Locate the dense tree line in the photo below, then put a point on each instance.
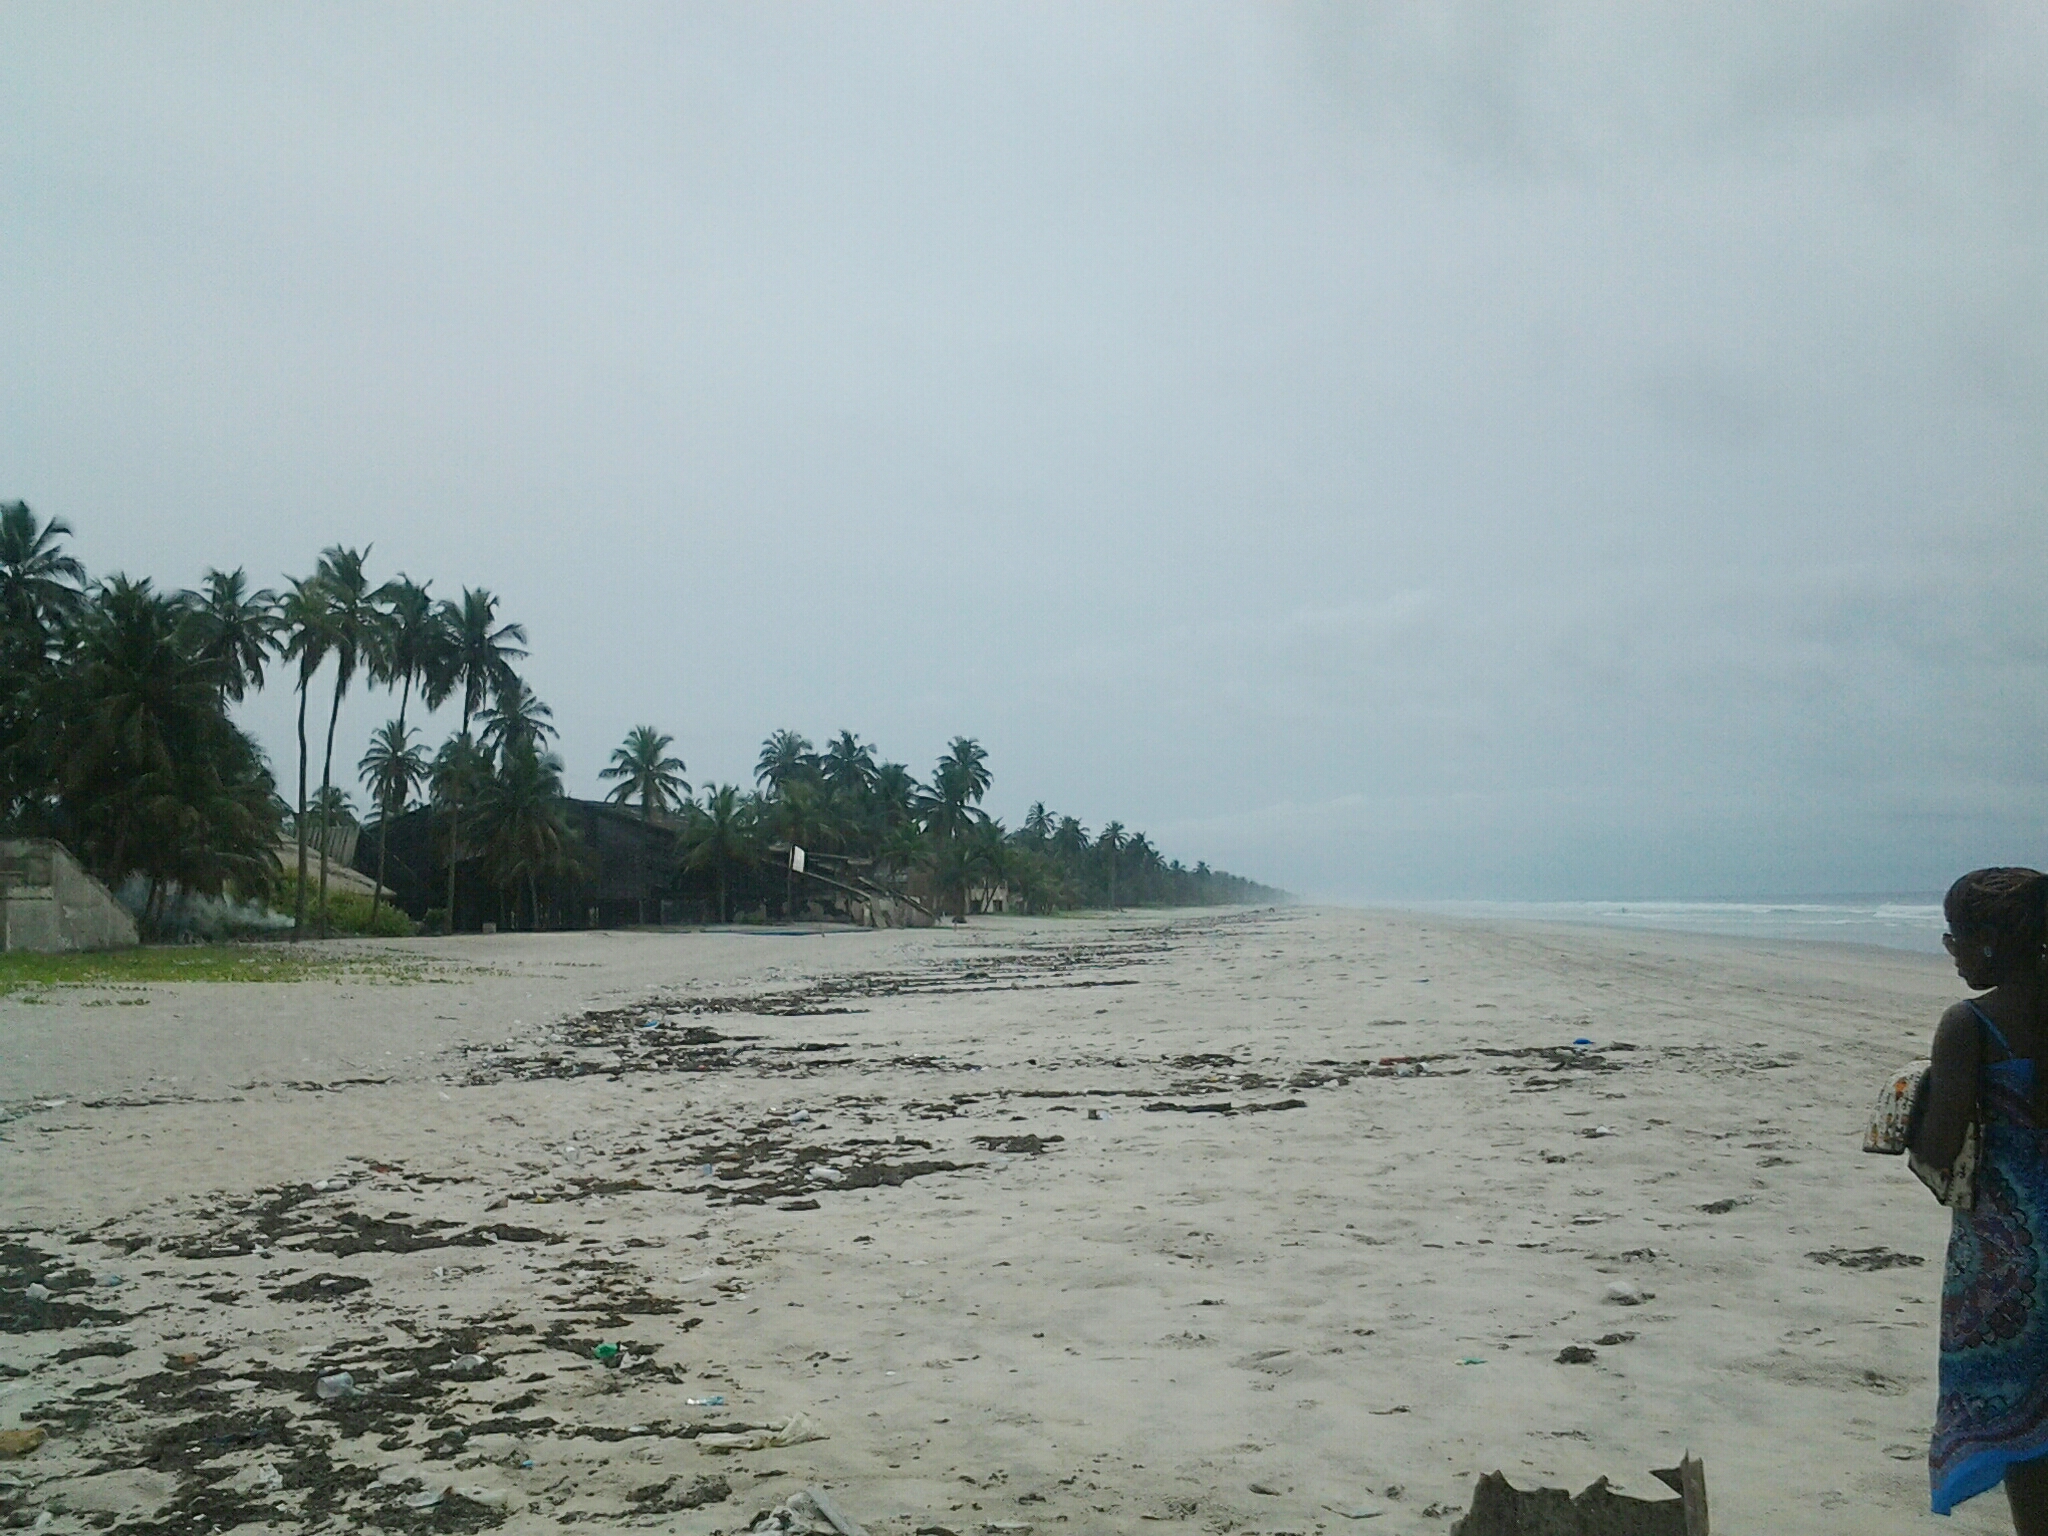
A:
(117, 738)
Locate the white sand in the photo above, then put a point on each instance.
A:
(1134, 1326)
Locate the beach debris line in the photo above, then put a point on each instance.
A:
(1501, 1509)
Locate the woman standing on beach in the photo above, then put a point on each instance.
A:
(1991, 1419)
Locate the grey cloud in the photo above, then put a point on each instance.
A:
(1456, 450)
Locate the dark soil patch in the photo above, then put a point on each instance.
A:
(1867, 1258)
(321, 1288)
(69, 1304)
(1024, 1146)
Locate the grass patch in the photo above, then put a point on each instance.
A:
(21, 972)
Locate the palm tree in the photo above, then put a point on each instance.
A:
(40, 597)
(520, 823)
(392, 771)
(965, 757)
(848, 766)
(480, 656)
(950, 806)
(233, 630)
(333, 806)
(157, 780)
(516, 721)
(720, 835)
(643, 770)
(41, 587)
(785, 758)
(641, 766)
(1111, 839)
(303, 621)
(416, 646)
(1039, 823)
(893, 796)
(354, 631)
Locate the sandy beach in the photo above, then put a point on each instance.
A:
(1273, 1220)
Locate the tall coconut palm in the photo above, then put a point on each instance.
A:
(392, 771)
(893, 797)
(720, 835)
(1107, 843)
(785, 758)
(233, 630)
(847, 766)
(41, 587)
(521, 826)
(354, 623)
(416, 646)
(303, 622)
(480, 656)
(951, 805)
(1039, 823)
(642, 766)
(516, 721)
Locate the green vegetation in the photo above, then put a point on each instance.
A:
(353, 914)
(116, 738)
(22, 973)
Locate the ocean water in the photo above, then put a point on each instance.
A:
(1910, 921)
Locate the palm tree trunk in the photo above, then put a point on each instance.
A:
(454, 841)
(640, 853)
(327, 784)
(299, 822)
(724, 901)
(532, 902)
(384, 813)
(383, 837)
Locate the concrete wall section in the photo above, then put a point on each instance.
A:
(50, 905)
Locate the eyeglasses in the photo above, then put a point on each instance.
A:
(1952, 944)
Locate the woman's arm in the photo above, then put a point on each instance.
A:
(1952, 1098)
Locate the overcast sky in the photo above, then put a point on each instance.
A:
(1424, 450)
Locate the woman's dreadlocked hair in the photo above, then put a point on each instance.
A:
(2007, 905)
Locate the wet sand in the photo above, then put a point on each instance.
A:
(1261, 1221)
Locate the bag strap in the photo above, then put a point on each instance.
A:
(1985, 1019)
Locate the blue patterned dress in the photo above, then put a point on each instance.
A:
(1993, 1408)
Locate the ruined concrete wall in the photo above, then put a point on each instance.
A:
(50, 905)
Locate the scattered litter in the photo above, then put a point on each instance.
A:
(265, 1477)
(110, 1281)
(1601, 1130)
(811, 1510)
(1472, 1360)
(1611, 1339)
(1576, 1354)
(715, 1400)
(426, 1500)
(328, 1186)
(605, 1352)
(335, 1388)
(1354, 1514)
(652, 1024)
(19, 1442)
(797, 1429)
(1582, 1040)
(37, 1291)
(1498, 1509)
(1626, 1293)
(1266, 1488)
(469, 1367)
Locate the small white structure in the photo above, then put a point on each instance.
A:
(50, 905)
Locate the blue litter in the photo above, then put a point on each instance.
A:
(1582, 1040)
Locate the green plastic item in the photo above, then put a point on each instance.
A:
(605, 1352)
